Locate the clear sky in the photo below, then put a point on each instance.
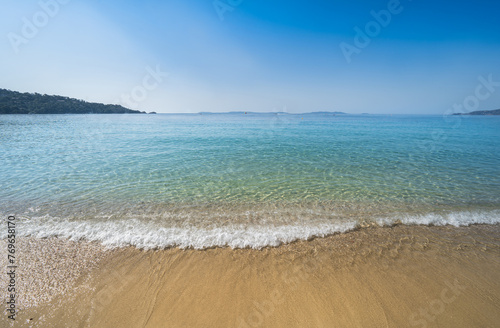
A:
(419, 56)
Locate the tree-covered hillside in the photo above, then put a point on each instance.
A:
(12, 102)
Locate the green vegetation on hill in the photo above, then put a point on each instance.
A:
(12, 102)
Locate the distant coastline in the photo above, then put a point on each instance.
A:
(482, 112)
(13, 102)
(272, 113)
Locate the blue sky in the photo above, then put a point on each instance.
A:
(254, 55)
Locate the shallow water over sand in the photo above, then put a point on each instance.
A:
(243, 180)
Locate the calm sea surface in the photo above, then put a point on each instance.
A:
(243, 180)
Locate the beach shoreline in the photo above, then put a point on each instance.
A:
(400, 276)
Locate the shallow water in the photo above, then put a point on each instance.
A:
(243, 180)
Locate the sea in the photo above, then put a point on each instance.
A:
(243, 180)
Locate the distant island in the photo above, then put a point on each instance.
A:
(270, 113)
(482, 112)
(12, 102)
(324, 113)
(240, 113)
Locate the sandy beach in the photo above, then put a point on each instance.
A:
(403, 276)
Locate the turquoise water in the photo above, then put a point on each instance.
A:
(243, 180)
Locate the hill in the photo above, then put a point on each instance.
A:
(12, 102)
(482, 112)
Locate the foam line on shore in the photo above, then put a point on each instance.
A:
(153, 234)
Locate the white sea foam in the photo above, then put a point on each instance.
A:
(147, 235)
(457, 219)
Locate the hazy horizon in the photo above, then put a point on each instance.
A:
(383, 57)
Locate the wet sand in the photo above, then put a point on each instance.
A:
(402, 276)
